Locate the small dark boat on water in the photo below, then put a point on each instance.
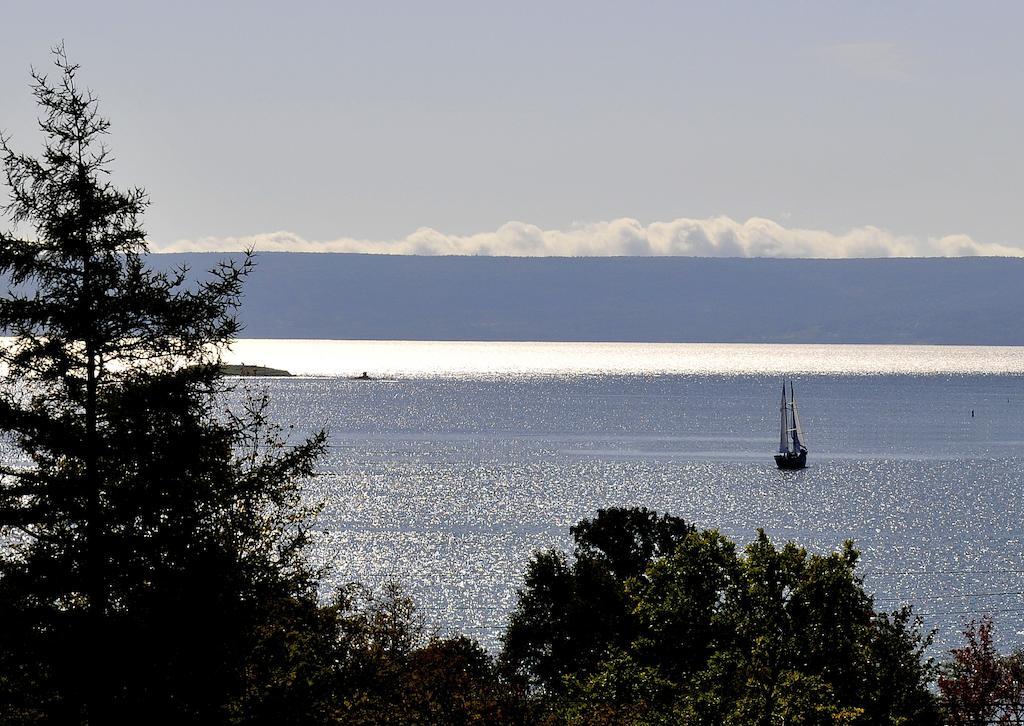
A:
(792, 452)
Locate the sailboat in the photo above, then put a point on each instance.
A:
(792, 452)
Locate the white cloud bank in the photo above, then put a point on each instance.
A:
(713, 237)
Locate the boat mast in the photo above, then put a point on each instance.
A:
(783, 443)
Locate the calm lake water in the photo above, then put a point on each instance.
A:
(460, 459)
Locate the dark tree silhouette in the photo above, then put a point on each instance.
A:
(627, 539)
(570, 614)
(148, 539)
(655, 622)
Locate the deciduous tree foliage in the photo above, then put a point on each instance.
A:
(389, 671)
(570, 614)
(696, 631)
(151, 542)
(980, 685)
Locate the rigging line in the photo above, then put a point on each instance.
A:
(979, 611)
(949, 572)
(907, 599)
(910, 601)
(493, 626)
(946, 595)
(498, 608)
(439, 608)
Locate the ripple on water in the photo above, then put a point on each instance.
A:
(448, 485)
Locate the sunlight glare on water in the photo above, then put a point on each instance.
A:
(455, 461)
(417, 359)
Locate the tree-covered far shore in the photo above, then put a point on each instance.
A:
(153, 539)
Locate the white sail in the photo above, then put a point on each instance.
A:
(798, 433)
(792, 447)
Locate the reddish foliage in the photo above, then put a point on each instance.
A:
(981, 686)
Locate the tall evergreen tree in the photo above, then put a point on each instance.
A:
(150, 541)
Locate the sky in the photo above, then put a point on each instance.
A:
(796, 129)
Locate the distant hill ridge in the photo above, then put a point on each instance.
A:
(969, 301)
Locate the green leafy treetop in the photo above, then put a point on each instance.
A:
(148, 539)
(696, 631)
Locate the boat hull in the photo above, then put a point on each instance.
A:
(791, 460)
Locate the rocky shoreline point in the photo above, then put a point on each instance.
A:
(244, 369)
